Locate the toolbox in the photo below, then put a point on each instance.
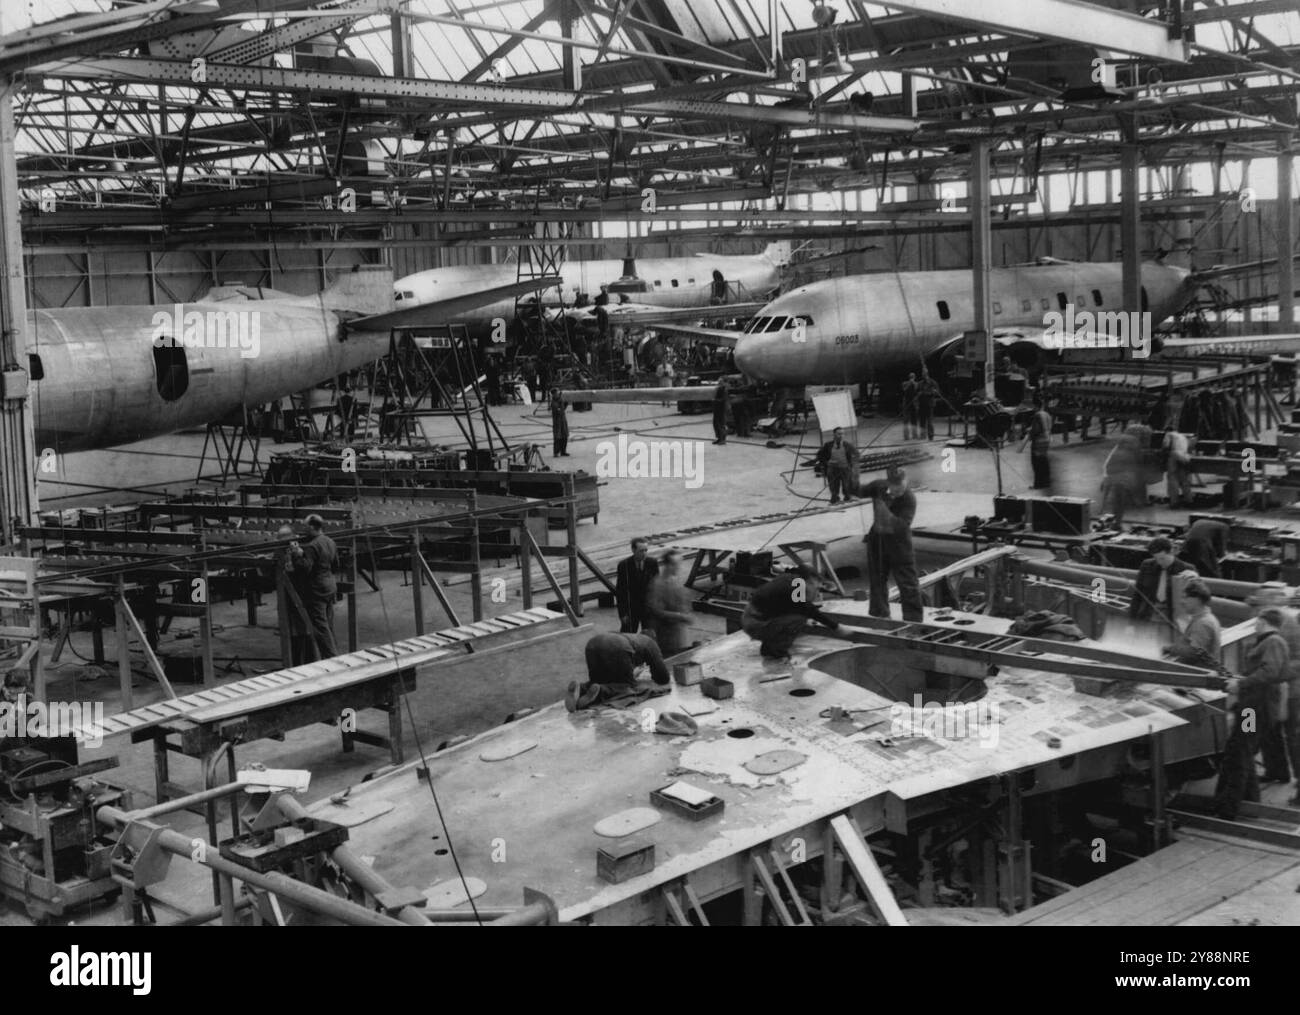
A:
(691, 812)
(717, 688)
(1068, 516)
(622, 861)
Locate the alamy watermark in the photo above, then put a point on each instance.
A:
(638, 459)
(1103, 329)
(179, 328)
(972, 720)
(83, 720)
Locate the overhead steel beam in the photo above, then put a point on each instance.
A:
(300, 30)
(277, 79)
(64, 39)
(302, 82)
(784, 116)
(1085, 24)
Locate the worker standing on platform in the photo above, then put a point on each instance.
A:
(668, 606)
(291, 598)
(780, 610)
(1124, 483)
(839, 459)
(1039, 438)
(926, 393)
(889, 545)
(1249, 711)
(634, 576)
(612, 663)
(316, 562)
(1274, 742)
(559, 425)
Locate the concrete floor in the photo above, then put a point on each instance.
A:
(741, 479)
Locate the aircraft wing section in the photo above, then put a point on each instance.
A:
(1233, 346)
(714, 336)
(441, 312)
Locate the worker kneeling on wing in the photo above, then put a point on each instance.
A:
(612, 662)
(779, 611)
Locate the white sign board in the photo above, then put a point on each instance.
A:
(835, 409)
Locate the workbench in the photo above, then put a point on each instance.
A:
(537, 809)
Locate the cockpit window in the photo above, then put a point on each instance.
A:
(758, 324)
(805, 319)
(776, 324)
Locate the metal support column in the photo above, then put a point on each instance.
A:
(18, 500)
(982, 252)
(1130, 227)
(1286, 237)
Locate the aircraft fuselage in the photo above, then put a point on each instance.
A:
(857, 326)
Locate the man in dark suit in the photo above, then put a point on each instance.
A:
(634, 575)
(1153, 592)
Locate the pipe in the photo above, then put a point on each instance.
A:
(184, 802)
(208, 915)
(1225, 609)
(1217, 586)
(314, 899)
(359, 871)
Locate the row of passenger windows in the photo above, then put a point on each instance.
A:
(1026, 306)
(766, 324)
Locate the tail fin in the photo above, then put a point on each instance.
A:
(367, 289)
(779, 253)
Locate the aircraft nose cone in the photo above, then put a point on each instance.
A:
(766, 356)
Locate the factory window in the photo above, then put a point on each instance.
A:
(674, 283)
(1026, 305)
(1062, 300)
(944, 312)
(1096, 297)
(172, 372)
(659, 282)
(37, 370)
(997, 307)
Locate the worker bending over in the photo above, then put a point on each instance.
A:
(779, 611)
(612, 662)
(889, 545)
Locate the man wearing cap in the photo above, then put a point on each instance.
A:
(1199, 643)
(1284, 695)
(780, 610)
(612, 662)
(1153, 591)
(889, 545)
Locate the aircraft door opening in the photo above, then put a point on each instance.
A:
(171, 371)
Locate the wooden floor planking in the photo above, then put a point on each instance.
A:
(1179, 855)
(1194, 875)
